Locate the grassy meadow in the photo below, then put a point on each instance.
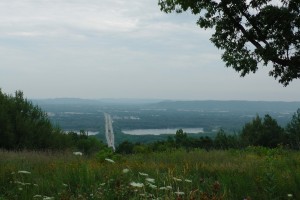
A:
(253, 173)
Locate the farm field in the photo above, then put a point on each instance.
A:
(252, 173)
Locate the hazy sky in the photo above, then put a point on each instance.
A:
(118, 49)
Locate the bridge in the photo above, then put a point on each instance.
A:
(109, 132)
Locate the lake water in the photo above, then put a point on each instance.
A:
(161, 131)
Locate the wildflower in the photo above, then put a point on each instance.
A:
(21, 183)
(65, 185)
(290, 195)
(143, 174)
(188, 181)
(179, 193)
(109, 160)
(169, 187)
(139, 185)
(151, 180)
(37, 196)
(152, 186)
(166, 188)
(48, 198)
(20, 188)
(77, 153)
(125, 171)
(23, 172)
(177, 179)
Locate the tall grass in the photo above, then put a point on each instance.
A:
(254, 173)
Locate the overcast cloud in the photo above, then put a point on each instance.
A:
(118, 49)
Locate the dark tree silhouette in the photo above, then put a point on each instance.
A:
(250, 32)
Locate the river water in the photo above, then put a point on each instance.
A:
(161, 131)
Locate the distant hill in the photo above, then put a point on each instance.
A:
(79, 101)
(209, 105)
(261, 106)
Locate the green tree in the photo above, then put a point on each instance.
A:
(264, 132)
(293, 130)
(225, 141)
(125, 147)
(251, 132)
(181, 139)
(250, 32)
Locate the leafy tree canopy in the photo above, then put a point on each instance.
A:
(26, 126)
(293, 129)
(250, 32)
(263, 132)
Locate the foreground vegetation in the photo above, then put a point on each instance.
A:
(252, 173)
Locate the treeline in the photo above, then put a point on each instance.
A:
(263, 132)
(25, 126)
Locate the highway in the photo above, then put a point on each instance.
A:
(109, 132)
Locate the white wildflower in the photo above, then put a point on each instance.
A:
(48, 198)
(23, 172)
(179, 193)
(169, 187)
(109, 160)
(290, 195)
(188, 181)
(78, 153)
(20, 188)
(143, 174)
(65, 185)
(21, 183)
(37, 196)
(152, 186)
(151, 180)
(125, 171)
(177, 179)
(139, 185)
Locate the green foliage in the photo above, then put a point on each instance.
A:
(181, 139)
(105, 153)
(125, 147)
(25, 126)
(264, 132)
(250, 32)
(293, 130)
(225, 141)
